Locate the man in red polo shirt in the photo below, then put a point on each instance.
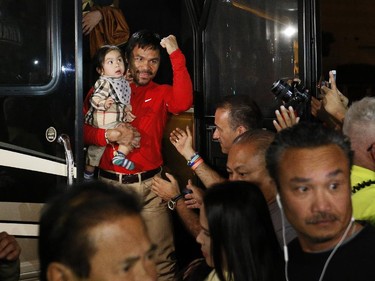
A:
(151, 103)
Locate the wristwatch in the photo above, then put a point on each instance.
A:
(172, 203)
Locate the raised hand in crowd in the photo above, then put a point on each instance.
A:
(319, 112)
(183, 142)
(334, 102)
(285, 118)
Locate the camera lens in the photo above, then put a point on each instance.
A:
(281, 90)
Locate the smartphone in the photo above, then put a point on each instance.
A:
(334, 74)
(323, 82)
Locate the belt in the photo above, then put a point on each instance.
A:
(129, 178)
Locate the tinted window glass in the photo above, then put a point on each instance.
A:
(248, 46)
(24, 43)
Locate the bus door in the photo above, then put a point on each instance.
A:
(40, 112)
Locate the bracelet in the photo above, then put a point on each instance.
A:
(172, 203)
(193, 159)
(197, 163)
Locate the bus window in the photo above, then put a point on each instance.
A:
(25, 44)
(249, 45)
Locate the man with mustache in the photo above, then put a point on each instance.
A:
(311, 166)
(151, 103)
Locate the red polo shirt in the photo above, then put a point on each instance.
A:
(151, 104)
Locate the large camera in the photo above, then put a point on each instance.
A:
(294, 94)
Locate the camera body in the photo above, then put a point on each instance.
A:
(293, 94)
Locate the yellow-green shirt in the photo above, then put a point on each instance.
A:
(364, 199)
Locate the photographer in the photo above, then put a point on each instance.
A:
(330, 108)
(294, 98)
(333, 105)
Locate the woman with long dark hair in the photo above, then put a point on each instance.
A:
(237, 236)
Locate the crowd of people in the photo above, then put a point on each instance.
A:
(316, 232)
(298, 203)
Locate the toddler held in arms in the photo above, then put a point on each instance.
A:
(109, 107)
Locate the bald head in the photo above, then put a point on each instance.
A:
(246, 160)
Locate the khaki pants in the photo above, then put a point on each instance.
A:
(159, 225)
